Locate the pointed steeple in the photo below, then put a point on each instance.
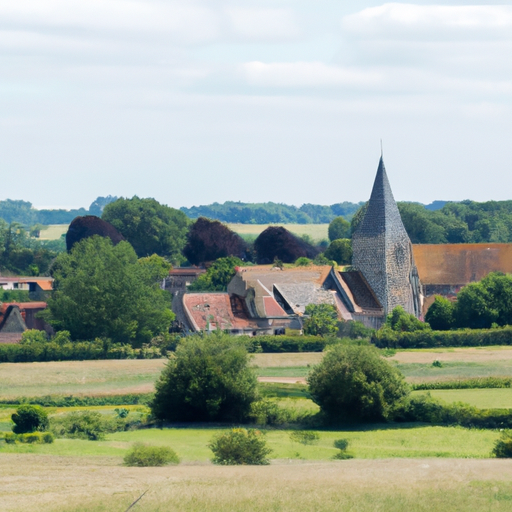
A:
(382, 250)
(382, 211)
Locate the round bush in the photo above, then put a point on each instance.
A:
(29, 418)
(503, 447)
(208, 379)
(354, 383)
(240, 446)
(143, 455)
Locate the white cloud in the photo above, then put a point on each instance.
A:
(396, 21)
(305, 74)
(263, 24)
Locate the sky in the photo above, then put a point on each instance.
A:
(193, 102)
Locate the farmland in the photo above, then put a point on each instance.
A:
(317, 232)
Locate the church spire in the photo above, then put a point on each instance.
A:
(382, 250)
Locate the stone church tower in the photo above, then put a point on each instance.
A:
(382, 250)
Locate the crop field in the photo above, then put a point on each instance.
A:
(317, 232)
(100, 484)
(53, 232)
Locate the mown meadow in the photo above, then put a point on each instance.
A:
(407, 466)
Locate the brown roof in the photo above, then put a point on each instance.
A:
(23, 305)
(457, 264)
(187, 271)
(361, 292)
(269, 275)
(215, 310)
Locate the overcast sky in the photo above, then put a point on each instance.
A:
(194, 101)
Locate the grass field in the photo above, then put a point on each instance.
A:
(93, 378)
(481, 398)
(399, 485)
(53, 232)
(317, 232)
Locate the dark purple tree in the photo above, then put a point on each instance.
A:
(89, 225)
(278, 242)
(209, 240)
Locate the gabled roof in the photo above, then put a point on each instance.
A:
(459, 264)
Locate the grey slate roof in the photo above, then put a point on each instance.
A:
(382, 250)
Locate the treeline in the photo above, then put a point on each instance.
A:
(456, 223)
(267, 213)
(24, 213)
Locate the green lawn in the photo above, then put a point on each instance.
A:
(481, 398)
(421, 372)
(375, 442)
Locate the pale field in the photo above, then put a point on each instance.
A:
(317, 232)
(53, 231)
(63, 484)
(108, 377)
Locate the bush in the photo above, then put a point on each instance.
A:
(321, 319)
(208, 379)
(10, 437)
(31, 438)
(143, 455)
(267, 412)
(29, 418)
(304, 436)
(240, 446)
(342, 453)
(86, 424)
(503, 447)
(355, 383)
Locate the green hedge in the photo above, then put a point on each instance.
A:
(273, 344)
(72, 351)
(385, 338)
(81, 401)
(474, 383)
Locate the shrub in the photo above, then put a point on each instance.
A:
(32, 438)
(355, 383)
(340, 251)
(29, 418)
(208, 379)
(322, 319)
(143, 455)
(240, 446)
(10, 437)
(267, 412)
(48, 437)
(304, 436)
(86, 425)
(342, 453)
(503, 447)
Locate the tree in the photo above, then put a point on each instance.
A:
(480, 305)
(340, 251)
(98, 205)
(278, 242)
(401, 321)
(217, 277)
(89, 225)
(354, 382)
(102, 290)
(29, 418)
(208, 379)
(440, 315)
(322, 320)
(151, 228)
(339, 228)
(209, 240)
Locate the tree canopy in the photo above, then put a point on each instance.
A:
(151, 228)
(208, 240)
(441, 314)
(354, 382)
(278, 242)
(322, 320)
(208, 379)
(340, 251)
(89, 225)
(217, 277)
(102, 290)
(339, 228)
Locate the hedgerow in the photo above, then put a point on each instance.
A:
(474, 383)
(81, 401)
(386, 338)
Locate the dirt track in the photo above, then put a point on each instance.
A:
(466, 355)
